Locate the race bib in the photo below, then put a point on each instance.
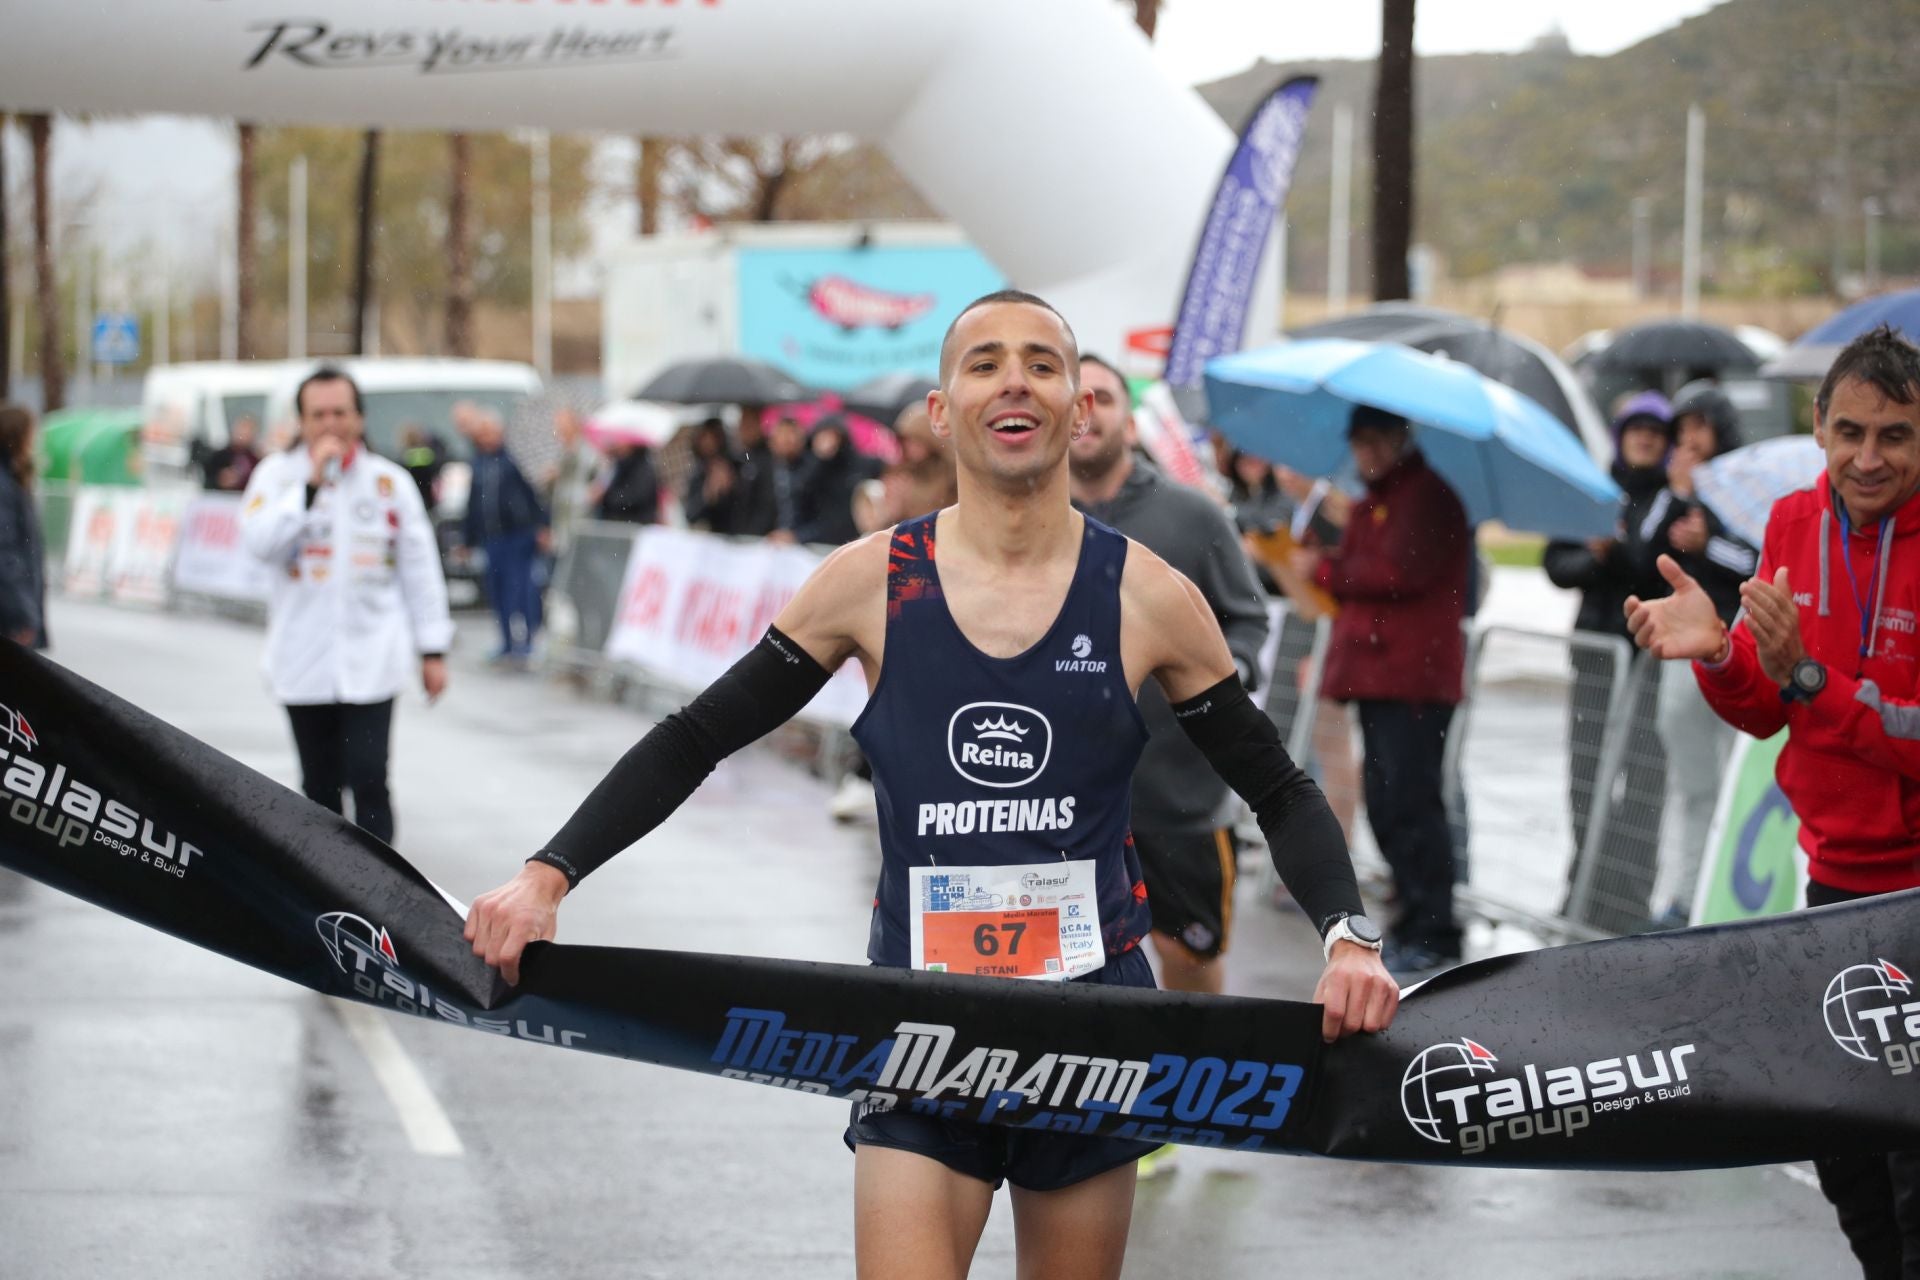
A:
(1038, 920)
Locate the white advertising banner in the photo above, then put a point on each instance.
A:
(121, 543)
(693, 603)
(926, 80)
(211, 561)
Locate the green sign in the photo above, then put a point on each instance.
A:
(1754, 866)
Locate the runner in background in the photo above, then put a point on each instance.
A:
(1003, 640)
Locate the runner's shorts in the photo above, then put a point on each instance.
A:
(1189, 878)
(1030, 1159)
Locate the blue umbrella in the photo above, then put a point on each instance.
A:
(1814, 352)
(1508, 458)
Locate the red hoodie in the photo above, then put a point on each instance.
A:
(1851, 766)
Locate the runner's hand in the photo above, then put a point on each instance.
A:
(1357, 992)
(503, 921)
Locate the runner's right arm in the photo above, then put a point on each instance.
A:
(763, 690)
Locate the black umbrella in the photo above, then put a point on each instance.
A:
(1520, 363)
(1677, 344)
(722, 380)
(883, 398)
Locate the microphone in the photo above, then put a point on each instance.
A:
(330, 471)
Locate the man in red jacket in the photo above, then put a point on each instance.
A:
(1828, 649)
(1397, 652)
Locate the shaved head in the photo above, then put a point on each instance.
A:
(1014, 296)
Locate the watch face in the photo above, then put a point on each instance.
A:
(1809, 675)
(1363, 929)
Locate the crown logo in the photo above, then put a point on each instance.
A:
(1001, 728)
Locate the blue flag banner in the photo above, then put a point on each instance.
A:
(1213, 311)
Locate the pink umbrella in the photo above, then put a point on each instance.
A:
(867, 436)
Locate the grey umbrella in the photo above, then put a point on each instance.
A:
(1500, 354)
(1677, 344)
(722, 380)
(883, 398)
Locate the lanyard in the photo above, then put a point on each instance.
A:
(1846, 558)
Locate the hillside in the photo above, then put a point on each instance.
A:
(1537, 156)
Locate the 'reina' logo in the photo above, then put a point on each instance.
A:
(999, 744)
(18, 733)
(1869, 1015)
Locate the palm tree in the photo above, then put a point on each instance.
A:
(363, 259)
(53, 374)
(244, 218)
(459, 259)
(1393, 152)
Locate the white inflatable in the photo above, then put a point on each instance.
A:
(1040, 126)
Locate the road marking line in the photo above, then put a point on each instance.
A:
(426, 1123)
(1805, 1177)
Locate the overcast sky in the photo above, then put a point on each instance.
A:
(174, 175)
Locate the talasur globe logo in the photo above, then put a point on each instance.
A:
(999, 744)
(353, 940)
(15, 729)
(1436, 1068)
(1869, 1015)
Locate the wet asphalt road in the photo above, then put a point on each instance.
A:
(168, 1113)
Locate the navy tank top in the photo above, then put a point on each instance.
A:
(983, 761)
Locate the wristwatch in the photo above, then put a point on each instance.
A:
(1350, 928)
(1804, 682)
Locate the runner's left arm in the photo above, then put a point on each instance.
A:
(1187, 654)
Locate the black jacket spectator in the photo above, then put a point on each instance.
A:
(502, 500)
(828, 476)
(633, 490)
(709, 495)
(23, 574)
(1726, 560)
(1627, 568)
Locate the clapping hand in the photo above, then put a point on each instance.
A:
(1774, 619)
(1683, 625)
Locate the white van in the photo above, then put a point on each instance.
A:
(401, 393)
(187, 410)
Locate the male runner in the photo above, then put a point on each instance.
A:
(1179, 828)
(992, 759)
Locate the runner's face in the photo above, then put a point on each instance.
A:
(1011, 399)
(1109, 431)
(1873, 449)
(326, 409)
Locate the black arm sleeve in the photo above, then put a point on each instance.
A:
(1308, 849)
(758, 694)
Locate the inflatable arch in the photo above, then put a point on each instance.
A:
(1042, 127)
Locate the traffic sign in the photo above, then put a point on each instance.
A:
(116, 337)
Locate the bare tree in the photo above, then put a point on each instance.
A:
(6, 278)
(742, 179)
(53, 373)
(363, 260)
(246, 216)
(648, 166)
(1393, 151)
(459, 252)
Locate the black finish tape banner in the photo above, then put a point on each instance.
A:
(1775, 1040)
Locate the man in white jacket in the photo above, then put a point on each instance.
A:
(357, 596)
